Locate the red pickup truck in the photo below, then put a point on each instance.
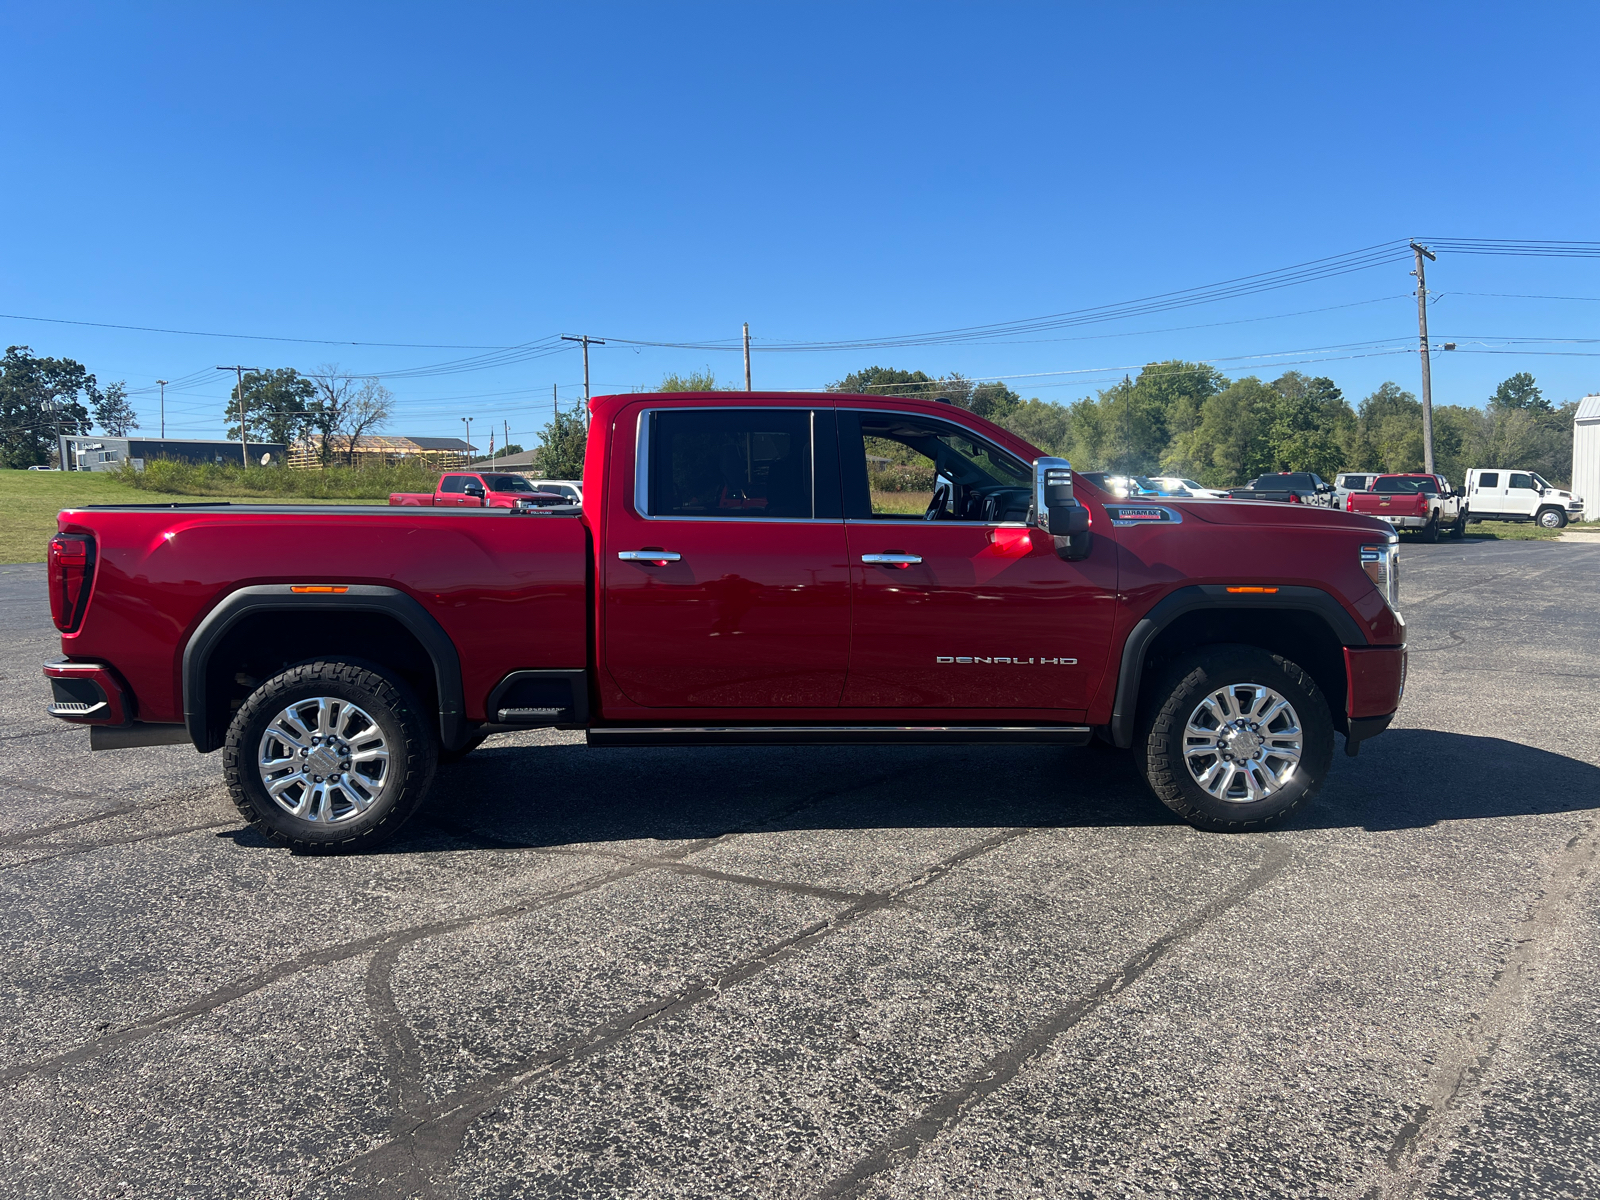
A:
(1424, 503)
(732, 578)
(475, 489)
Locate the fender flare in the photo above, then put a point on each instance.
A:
(270, 597)
(1343, 626)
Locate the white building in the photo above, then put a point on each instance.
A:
(1586, 456)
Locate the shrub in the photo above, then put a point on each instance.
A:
(233, 479)
(901, 477)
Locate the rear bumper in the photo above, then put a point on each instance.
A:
(1400, 522)
(87, 693)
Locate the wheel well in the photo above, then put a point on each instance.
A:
(1301, 637)
(262, 644)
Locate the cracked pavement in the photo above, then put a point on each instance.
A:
(861, 971)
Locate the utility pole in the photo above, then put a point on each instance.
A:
(163, 384)
(585, 339)
(505, 428)
(1427, 375)
(555, 402)
(244, 449)
(747, 356)
(468, 420)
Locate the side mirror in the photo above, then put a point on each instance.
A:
(473, 489)
(1056, 512)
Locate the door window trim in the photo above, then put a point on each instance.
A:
(973, 434)
(641, 463)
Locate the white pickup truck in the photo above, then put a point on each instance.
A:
(1496, 494)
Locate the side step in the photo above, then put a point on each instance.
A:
(841, 735)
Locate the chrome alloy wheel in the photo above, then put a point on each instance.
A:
(1242, 742)
(324, 759)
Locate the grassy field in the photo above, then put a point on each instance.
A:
(30, 500)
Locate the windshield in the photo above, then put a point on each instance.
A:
(1289, 480)
(508, 483)
(1159, 487)
(1542, 481)
(1406, 485)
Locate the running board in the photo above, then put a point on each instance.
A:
(841, 735)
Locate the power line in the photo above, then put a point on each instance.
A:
(249, 337)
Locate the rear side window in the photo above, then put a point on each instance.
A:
(1519, 480)
(1489, 479)
(733, 463)
(453, 483)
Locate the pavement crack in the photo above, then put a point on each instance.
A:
(403, 1059)
(1003, 1067)
(1412, 1162)
(433, 1135)
(89, 847)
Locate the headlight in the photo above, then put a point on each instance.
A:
(1382, 565)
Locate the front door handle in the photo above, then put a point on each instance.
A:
(891, 560)
(650, 556)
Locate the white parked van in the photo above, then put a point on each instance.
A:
(1496, 494)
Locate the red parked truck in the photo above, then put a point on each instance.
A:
(1426, 504)
(732, 578)
(478, 489)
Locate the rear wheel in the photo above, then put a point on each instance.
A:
(329, 757)
(1552, 518)
(1236, 738)
(1430, 531)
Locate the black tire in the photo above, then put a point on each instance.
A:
(405, 777)
(1551, 518)
(1459, 529)
(1430, 531)
(1161, 741)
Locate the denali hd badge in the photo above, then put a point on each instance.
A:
(1015, 662)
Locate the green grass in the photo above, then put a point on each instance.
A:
(1513, 531)
(231, 479)
(30, 500)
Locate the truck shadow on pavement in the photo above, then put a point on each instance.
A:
(565, 795)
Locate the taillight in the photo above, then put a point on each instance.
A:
(1294, 498)
(1350, 503)
(71, 577)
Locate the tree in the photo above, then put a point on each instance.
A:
(366, 410)
(561, 446)
(885, 381)
(505, 451)
(1519, 393)
(1303, 423)
(1229, 444)
(1390, 435)
(38, 400)
(277, 406)
(112, 412)
(695, 381)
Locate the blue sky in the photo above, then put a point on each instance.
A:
(488, 176)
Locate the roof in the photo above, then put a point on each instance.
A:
(1589, 409)
(444, 443)
(524, 459)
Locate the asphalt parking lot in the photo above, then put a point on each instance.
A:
(855, 972)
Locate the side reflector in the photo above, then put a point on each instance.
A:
(317, 587)
(1254, 591)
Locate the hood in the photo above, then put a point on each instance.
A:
(1267, 513)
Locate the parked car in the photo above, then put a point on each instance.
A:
(44, 468)
(1351, 481)
(1189, 485)
(1497, 494)
(1425, 503)
(572, 489)
(479, 489)
(735, 583)
(1286, 487)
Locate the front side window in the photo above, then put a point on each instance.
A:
(911, 466)
(734, 463)
(1519, 480)
(453, 484)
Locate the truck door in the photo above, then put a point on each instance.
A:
(956, 602)
(724, 569)
(1522, 495)
(452, 492)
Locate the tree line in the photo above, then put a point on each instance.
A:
(330, 407)
(1190, 420)
(43, 397)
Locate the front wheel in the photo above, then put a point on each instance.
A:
(1236, 738)
(329, 757)
(1552, 518)
(1459, 529)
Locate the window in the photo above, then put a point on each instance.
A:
(910, 466)
(1519, 480)
(455, 484)
(508, 483)
(734, 463)
(1407, 485)
(1489, 479)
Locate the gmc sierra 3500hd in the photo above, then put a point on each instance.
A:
(733, 578)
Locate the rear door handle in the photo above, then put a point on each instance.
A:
(649, 556)
(891, 560)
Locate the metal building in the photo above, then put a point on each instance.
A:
(1586, 456)
(86, 453)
